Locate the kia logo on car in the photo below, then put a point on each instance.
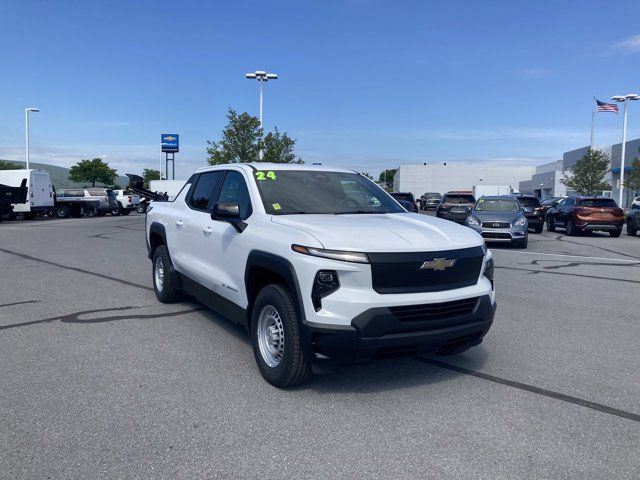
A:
(438, 264)
(496, 224)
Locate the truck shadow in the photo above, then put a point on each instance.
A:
(375, 376)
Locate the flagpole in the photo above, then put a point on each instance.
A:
(593, 119)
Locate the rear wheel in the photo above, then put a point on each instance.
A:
(631, 228)
(538, 229)
(115, 211)
(551, 225)
(165, 278)
(142, 208)
(62, 211)
(615, 233)
(275, 336)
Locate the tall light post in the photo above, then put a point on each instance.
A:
(261, 76)
(26, 121)
(623, 99)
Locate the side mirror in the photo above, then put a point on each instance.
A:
(229, 212)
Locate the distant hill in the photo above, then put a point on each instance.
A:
(60, 175)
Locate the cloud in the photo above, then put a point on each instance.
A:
(630, 45)
(532, 73)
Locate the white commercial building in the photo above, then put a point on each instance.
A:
(444, 177)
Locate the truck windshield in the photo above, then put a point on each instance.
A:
(290, 192)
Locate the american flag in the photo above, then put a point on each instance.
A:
(606, 107)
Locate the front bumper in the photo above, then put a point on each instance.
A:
(500, 234)
(378, 332)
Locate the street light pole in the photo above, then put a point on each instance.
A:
(261, 76)
(623, 99)
(26, 127)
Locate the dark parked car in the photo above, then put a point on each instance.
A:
(585, 214)
(431, 200)
(533, 211)
(633, 222)
(549, 203)
(407, 198)
(456, 206)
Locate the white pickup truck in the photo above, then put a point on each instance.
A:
(127, 202)
(321, 266)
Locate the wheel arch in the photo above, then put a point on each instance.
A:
(264, 268)
(157, 237)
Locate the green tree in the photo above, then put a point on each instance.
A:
(632, 179)
(92, 171)
(5, 165)
(149, 174)
(588, 174)
(278, 148)
(241, 140)
(367, 175)
(387, 175)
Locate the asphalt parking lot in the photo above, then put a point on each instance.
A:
(99, 380)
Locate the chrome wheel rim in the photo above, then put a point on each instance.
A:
(270, 336)
(159, 274)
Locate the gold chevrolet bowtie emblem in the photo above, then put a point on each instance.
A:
(438, 264)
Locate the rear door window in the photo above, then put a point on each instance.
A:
(204, 191)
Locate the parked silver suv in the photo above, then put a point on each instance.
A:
(500, 219)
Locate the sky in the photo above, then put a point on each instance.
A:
(364, 84)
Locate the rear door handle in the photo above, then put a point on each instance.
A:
(207, 230)
(179, 223)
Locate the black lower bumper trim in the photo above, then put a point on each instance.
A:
(378, 333)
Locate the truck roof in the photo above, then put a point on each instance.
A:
(277, 166)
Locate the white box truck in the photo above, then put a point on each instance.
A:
(40, 193)
(492, 190)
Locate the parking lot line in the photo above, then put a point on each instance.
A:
(571, 256)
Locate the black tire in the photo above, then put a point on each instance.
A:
(125, 211)
(538, 229)
(292, 367)
(571, 228)
(90, 211)
(165, 283)
(551, 225)
(116, 210)
(142, 208)
(631, 229)
(521, 243)
(615, 233)
(63, 211)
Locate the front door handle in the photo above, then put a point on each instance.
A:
(207, 230)
(179, 223)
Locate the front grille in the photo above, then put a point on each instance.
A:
(496, 224)
(402, 272)
(495, 235)
(434, 311)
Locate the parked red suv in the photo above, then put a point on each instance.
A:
(579, 214)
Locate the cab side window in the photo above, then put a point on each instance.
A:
(203, 193)
(234, 189)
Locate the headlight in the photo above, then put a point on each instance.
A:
(473, 220)
(520, 222)
(356, 257)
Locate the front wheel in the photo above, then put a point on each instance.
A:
(571, 228)
(275, 336)
(551, 225)
(631, 229)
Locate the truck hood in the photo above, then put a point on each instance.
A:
(391, 232)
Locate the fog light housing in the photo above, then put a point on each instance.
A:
(325, 283)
